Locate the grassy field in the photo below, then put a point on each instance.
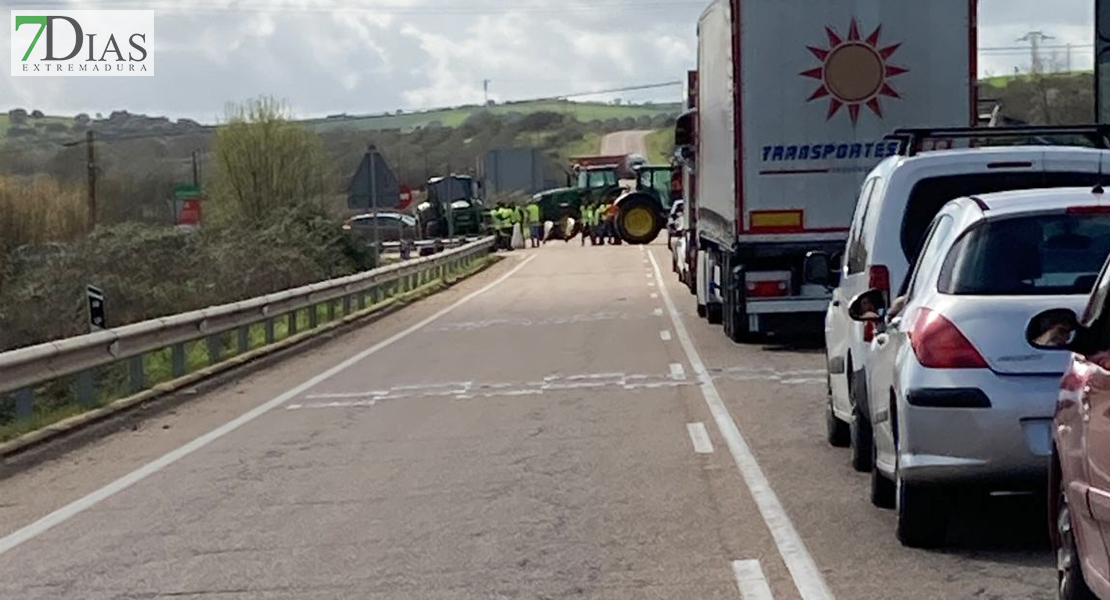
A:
(5, 122)
(1002, 81)
(453, 117)
(660, 145)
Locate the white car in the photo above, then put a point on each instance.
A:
(959, 399)
(898, 200)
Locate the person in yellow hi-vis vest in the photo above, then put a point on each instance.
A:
(602, 216)
(587, 221)
(535, 225)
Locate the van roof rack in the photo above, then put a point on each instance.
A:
(911, 138)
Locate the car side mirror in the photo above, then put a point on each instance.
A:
(1054, 329)
(817, 268)
(868, 307)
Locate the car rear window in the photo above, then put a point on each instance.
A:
(930, 195)
(1036, 255)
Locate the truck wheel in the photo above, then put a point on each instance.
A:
(638, 221)
(703, 312)
(715, 314)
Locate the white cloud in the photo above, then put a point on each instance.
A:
(329, 56)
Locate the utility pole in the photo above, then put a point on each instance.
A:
(1068, 62)
(196, 171)
(90, 163)
(485, 88)
(1035, 38)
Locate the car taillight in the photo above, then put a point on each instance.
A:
(939, 344)
(767, 289)
(878, 278)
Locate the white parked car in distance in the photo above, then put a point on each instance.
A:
(958, 397)
(898, 200)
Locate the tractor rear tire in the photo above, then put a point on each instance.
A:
(638, 220)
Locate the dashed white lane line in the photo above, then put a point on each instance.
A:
(750, 580)
(651, 284)
(658, 312)
(807, 577)
(678, 373)
(80, 505)
(665, 335)
(654, 296)
(700, 436)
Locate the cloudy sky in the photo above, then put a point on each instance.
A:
(370, 56)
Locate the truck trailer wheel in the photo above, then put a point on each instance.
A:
(638, 220)
(715, 314)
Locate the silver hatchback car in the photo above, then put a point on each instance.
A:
(959, 399)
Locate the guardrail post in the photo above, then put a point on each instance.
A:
(244, 339)
(292, 324)
(313, 317)
(138, 373)
(24, 404)
(215, 348)
(177, 360)
(86, 387)
(362, 300)
(331, 310)
(346, 305)
(269, 327)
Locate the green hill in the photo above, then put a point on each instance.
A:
(453, 117)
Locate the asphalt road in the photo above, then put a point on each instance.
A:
(624, 142)
(560, 426)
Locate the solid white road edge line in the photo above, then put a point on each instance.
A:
(700, 436)
(807, 577)
(750, 580)
(76, 507)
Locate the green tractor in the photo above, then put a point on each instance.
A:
(592, 185)
(452, 209)
(642, 212)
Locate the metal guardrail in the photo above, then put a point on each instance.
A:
(418, 245)
(24, 369)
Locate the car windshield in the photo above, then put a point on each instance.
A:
(1033, 255)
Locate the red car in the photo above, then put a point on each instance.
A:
(1079, 479)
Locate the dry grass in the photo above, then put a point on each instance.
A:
(38, 210)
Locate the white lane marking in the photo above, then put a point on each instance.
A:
(807, 577)
(654, 296)
(80, 505)
(750, 580)
(678, 373)
(649, 275)
(665, 335)
(651, 284)
(658, 312)
(700, 436)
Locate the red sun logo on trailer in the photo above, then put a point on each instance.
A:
(854, 72)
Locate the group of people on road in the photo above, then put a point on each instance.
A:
(506, 217)
(596, 223)
(599, 223)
